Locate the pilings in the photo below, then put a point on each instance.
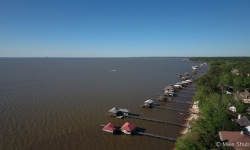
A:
(175, 101)
(183, 96)
(156, 136)
(158, 121)
(178, 110)
(186, 92)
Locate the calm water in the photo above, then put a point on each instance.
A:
(59, 103)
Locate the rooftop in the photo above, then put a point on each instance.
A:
(115, 110)
(245, 94)
(128, 126)
(243, 121)
(234, 138)
(149, 101)
(110, 127)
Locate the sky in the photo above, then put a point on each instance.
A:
(124, 28)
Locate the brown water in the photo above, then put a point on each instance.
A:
(59, 103)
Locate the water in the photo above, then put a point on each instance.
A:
(59, 103)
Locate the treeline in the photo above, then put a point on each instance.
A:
(233, 71)
(214, 103)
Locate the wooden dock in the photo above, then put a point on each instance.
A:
(178, 110)
(156, 136)
(158, 121)
(183, 96)
(193, 88)
(175, 101)
(151, 135)
(186, 92)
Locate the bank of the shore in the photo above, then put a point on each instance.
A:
(214, 103)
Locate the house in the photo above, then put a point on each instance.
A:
(235, 71)
(148, 103)
(128, 128)
(232, 108)
(240, 140)
(246, 96)
(229, 88)
(110, 127)
(236, 139)
(244, 123)
(118, 112)
(169, 88)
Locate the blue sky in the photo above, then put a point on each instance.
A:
(124, 28)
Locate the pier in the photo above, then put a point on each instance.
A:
(158, 121)
(178, 110)
(186, 92)
(190, 88)
(175, 101)
(156, 136)
(183, 96)
(151, 135)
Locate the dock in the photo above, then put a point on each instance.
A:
(151, 135)
(186, 92)
(193, 88)
(156, 136)
(175, 101)
(158, 121)
(177, 110)
(183, 96)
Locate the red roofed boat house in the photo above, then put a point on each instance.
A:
(128, 128)
(110, 127)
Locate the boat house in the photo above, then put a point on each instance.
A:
(118, 112)
(169, 88)
(128, 128)
(110, 127)
(162, 98)
(148, 103)
(168, 93)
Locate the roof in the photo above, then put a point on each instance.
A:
(245, 94)
(115, 110)
(179, 83)
(169, 92)
(232, 107)
(234, 138)
(148, 101)
(170, 87)
(109, 127)
(128, 126)
(243, 121)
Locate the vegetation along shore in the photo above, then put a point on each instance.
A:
(223, 96)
